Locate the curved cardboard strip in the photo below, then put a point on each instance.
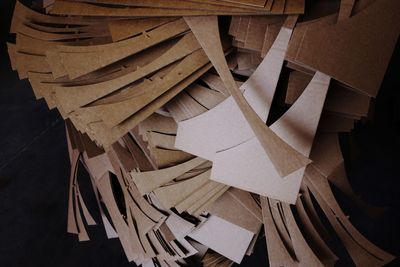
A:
(144, 225)
(108, 227)
(101, 27)
(78, 64)
(194, 197)
(179, 226)
(134, 237)
(138, 149)
(103, 136)
(328, 160)
(135, 40)
(359, 255)
(172, 4)
(127, 92)
(205, 199)
(165, 158)
(131, 191)
(30, 63)
(145, 207)
(122, 29)
(247, 201)
(278, 255)
(215, 83)
(88, 217)
(24, 13)
(309, 206)
(224, 126)
(311, 234)
(339, 178)
(71, 220)
(159, 140)
(191, 174)
(184, 106)
(97, 167)
(160, 248)
(104, 187)
(321, 184)
(149, 181)
(305, 255)
(206, 97)
(139, 96)
(28, 45)
(247, 167)
(122, 68)
(230, 209)
(267, 5)
(12, 53)
(211, 200)
(84, 9)
(211, 258)
(49, 36)
(82, 233)
(151, 212)
(73, 97)
(281, 225)
(157, 123)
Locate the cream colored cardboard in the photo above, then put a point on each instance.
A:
(224, 126)
(253, 172)
(270, 142)
(223, 237)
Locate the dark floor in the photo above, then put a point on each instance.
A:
(34, 168)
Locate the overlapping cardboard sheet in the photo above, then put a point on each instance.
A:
(202, 134)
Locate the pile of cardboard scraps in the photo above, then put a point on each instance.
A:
(206, 125)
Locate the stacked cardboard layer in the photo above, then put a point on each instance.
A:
(169, 116)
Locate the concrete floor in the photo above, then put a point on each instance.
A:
(34, 169)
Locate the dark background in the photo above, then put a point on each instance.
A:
(34, 169)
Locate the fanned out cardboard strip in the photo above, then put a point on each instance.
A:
(206, 125)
